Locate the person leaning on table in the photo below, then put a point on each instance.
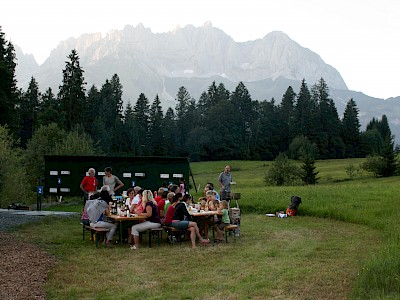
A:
(152, 218)
(98, 209)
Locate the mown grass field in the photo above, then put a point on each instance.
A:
(343, 244)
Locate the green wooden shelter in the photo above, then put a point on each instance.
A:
(63, 174)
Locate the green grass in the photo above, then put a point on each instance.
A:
(342, 245)
(299, 257)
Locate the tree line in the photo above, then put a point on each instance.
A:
(220, 125)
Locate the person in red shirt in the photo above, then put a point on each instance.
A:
(89, 184)
(161, 204)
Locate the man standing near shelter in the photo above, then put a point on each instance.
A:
(112, 181)
(89, 184)
(224, 180)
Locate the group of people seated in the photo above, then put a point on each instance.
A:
(166, 207)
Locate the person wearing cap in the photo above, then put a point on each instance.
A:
(112, 181)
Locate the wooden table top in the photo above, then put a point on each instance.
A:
(205, 213)
(125, 218)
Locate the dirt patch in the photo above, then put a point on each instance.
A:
(23, 269)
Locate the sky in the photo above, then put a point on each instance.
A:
(359, 38)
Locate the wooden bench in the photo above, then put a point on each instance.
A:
(228, 229)
(172, 233)
(97, 233)
(157, 232)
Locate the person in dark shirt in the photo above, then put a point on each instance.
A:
(182, 220)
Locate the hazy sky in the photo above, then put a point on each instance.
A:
(360, 38)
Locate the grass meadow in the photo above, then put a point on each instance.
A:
(343, 244)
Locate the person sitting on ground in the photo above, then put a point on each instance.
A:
(152, 218)
(182, 220)
(224, 221)
(97, 211)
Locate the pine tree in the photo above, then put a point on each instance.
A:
(242, 114)
(351, 130)
(156, 130)
(49, 111)
(8, 87)
(327, 125)
(29, 107)
(183, 123)
(170, 128)
(304, 114)
(93, 106)
(127, 143)
(310, 175)
(141, 121)
(286, 110)
(72, 92)
(267, 131)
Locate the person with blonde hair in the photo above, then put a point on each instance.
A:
(152, 218)
(224, 221)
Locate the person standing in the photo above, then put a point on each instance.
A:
(224, 180)
(89, 184)
(112, 181)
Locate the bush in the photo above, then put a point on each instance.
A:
(283, 172)
(375, 165)
(13, 187)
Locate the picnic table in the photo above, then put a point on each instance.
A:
(127, 220)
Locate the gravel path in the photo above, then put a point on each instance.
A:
(11, 218)
(23, 267)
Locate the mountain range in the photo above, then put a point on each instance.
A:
(194, 57)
